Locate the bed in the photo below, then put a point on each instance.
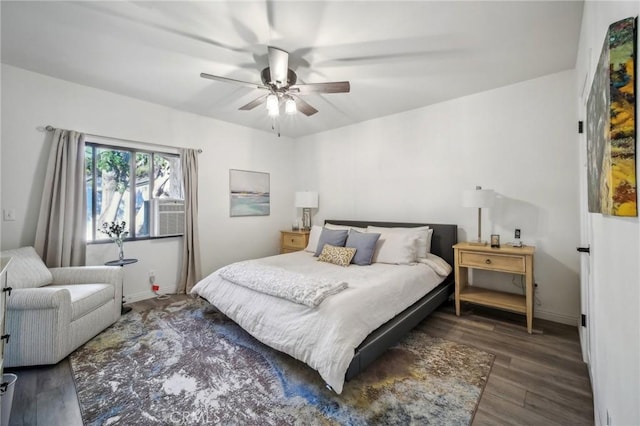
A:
(347, 331)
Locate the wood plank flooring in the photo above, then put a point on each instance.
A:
(536, 379)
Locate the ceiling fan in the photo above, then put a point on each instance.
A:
(280, 82)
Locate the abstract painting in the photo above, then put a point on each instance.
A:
(611, 128)
(249, 193)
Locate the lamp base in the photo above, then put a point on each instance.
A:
(477, 243)
(306, 219)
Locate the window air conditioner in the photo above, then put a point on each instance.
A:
(167, 217)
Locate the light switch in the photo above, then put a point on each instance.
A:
(9, 215)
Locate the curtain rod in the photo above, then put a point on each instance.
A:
(50, 128)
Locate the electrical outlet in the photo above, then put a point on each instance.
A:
(152, 276)
(517, 234)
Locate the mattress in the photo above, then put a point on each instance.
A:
(326, 336)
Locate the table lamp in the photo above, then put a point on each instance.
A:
(306, 200)
(478, 198)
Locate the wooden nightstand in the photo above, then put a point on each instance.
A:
(291, 241)
(513, 260)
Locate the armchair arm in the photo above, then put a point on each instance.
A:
(39, 298)
(87, 275)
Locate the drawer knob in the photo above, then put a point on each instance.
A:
(488, 261)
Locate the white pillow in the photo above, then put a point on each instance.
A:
(422, 233)
(438, 264)
(397, 248)
(26, 269)
(343, 227)
(314, 237)
(429, 238)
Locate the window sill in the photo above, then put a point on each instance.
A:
(132, 240)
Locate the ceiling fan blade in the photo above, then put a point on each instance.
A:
(254, 103)
(231, 80)
(332, 87)
(278, 66)
(304, 107)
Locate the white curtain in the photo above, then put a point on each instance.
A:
(191, 269)
(61, 231)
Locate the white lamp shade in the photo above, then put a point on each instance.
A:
(306, 199)
(478, 198)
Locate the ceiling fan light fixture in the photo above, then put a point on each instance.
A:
(272, 102)
(273, 105)
(290, 107)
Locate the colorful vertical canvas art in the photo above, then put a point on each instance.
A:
(611, 127)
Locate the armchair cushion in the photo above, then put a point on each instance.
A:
(87, 298)
(26, 270)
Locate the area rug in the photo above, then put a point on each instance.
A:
(185, 363)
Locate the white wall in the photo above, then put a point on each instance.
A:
(414, 166)
(31, 100)
(614, 315)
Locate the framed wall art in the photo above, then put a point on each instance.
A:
(249, 193)
(611, 127)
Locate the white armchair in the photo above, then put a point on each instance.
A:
(51, 312)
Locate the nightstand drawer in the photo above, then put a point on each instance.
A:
(494, 262)
(295, 241)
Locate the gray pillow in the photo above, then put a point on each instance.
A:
(365, 245)
(333, 237)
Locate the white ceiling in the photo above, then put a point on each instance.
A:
(397, 55)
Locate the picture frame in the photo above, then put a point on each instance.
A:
(495, 241)
(249, 193)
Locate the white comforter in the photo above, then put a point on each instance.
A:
(306, 289)
(324, 337)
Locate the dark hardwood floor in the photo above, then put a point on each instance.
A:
(536, 379)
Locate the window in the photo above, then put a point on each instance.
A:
(121, 184)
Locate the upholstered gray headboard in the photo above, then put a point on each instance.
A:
(444, 235)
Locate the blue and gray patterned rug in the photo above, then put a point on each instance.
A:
(184, 363)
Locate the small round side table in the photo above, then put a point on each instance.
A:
(121, 263)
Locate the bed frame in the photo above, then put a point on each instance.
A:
(388, 334)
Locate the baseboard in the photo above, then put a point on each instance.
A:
(556, 317)
(147, 294)
(143, 295)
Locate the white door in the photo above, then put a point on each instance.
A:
(586, 290)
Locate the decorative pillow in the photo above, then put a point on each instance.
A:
(397, 248)
(329, 236)
(337, 255)
(423, 234)
(343, 227)
(314, 237)
(365, 245)
(26, 269)
(438, 264)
